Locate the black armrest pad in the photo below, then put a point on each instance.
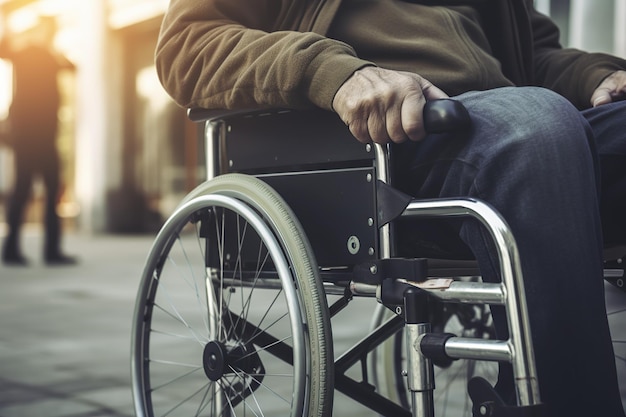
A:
(206, 115)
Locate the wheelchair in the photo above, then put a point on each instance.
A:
(297, 220)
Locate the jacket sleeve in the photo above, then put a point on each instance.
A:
(226, 54)
(572, 73)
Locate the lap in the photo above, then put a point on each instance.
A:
(518, 157)
(518, 133)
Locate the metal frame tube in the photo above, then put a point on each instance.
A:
(523, 361)
(421, 380)
(470, 292)
(213, 134)
(478, 349)
(518, 349)
(381, 155)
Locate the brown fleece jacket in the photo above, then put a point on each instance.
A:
(230, 54)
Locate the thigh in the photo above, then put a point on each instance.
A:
(608, 123)
(528, 132)
(518, 157)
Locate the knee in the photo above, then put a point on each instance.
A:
(531, 149)
(532, 118)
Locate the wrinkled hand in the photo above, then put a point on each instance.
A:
(384, 106)
(611, 89)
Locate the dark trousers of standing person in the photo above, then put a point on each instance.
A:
(557, 176)
(31, 163)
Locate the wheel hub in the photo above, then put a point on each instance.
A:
(218, 360)
(214, 360)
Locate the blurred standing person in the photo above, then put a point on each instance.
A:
(33, 120)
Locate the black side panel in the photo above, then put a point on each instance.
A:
(291, 141)
(337, 211)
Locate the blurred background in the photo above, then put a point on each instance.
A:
(129, 154)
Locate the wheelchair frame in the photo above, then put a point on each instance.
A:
(404, 294)
(357, 178)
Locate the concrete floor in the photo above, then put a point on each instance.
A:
(65, 331)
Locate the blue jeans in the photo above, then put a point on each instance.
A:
(537, 160)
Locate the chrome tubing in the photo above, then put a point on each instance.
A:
(478, 349)
(381, 156)
(420, 374)
(523, 360)
(470, 292)
(214, 131)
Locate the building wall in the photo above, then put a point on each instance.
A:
(95, 140)
(590, 25)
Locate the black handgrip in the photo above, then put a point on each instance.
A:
(446, 115)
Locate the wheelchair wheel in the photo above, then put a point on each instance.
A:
(231, 317)
(450, 395)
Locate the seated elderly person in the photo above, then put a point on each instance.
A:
(547, 148)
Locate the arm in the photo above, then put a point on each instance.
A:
(383, 106)
(572, 73)
(611, 89)
(5, 48)
(238, 54)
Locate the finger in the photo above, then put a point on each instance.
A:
(601, 96)
(620, 89)
(395, 129)
(359, 130)
(610, 89)
(412, 117)
(430, 91)
(376, 124)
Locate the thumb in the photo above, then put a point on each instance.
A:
(430, 91)
(601, 96)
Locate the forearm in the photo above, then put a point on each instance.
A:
(214, 57)
(575, 74)
(572, 73)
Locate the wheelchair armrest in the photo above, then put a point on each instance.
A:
(446, 115)
(440, 116)
(206, 115)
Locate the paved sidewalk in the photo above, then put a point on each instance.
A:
(65, 331)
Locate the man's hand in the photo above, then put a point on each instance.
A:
(611, 89)
(384, 106)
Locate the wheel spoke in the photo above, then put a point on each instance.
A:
(219, 327)
(194, 369)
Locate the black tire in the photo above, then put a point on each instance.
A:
(231, 317)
